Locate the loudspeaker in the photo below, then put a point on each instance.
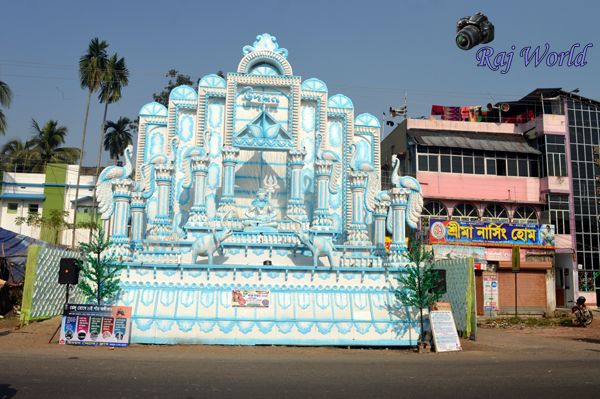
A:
(68, 271)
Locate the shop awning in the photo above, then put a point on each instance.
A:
(527, 265)
(473, 141)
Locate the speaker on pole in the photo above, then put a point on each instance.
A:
(68, 272)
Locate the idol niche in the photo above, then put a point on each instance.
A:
(574, 57)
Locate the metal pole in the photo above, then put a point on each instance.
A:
(515, 293)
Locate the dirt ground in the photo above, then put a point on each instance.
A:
(515, 339)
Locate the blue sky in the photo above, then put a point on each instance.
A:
(372, 51)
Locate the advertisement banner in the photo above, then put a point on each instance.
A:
(490, 292)
(93, 325)
(250, 298)
(441, 252)
(490, 233)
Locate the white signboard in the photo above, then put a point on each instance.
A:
(490, 292)
(445, 336)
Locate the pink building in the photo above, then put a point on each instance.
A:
(498, 172)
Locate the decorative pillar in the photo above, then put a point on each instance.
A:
(379, 214)
(138, 208)
(198, 218)
(399, 197)
(296, 207)
(321, 219)
(120, 218)
(162, 222)
(357, 233)
(230, 155)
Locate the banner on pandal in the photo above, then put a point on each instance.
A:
(250, 298)
(489, 233)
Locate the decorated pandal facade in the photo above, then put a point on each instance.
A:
(254, 215)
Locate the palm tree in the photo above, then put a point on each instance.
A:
(118, 137)
(46, 144)
(18, 156)
(5, 98)
(114, 78)
(92, 66)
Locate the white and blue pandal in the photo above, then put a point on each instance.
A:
(260, 181)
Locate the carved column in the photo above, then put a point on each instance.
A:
(296, 207)
(198, 218)
(322, 219)
(399, 197)
(138, 207)
(380, 214)
(162, 222)
(120, 217)
(357, 233)
(230, 155)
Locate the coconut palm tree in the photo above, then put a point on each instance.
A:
(115, 77)
(17, 156)
(92, 66)
(5, 99)
(46, 144)
(118, 137)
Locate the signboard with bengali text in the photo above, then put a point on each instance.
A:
(490, 233)
(250, 298)
(445, 336)
(95, 325)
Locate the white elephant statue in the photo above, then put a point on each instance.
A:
(319, 246)
(209, 243)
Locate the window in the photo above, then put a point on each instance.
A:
(555, 162)
(490, 166)
(423, 163)
(586, 281)
(525, 214)
(445, 163)
(479, 165)
(495, 213)
(12, 207)
(465, 212)
(456, 164)
(558, 209)
(435, 210)
(512, 166)
(501, 167)
(34, 208)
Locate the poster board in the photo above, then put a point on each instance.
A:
(250, 298)
(93, 325)
(445, 337)
(490, 292)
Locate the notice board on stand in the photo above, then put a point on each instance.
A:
(445, 336)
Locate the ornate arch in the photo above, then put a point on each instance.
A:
(495, 213)
(465, 211)
(525, 214)
(265, 57)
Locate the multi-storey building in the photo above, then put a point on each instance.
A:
(45, 193)
(540, 171)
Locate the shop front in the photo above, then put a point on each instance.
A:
(490, 245)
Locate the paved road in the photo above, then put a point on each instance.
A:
(498, 365)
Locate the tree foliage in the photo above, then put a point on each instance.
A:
(99, 270)
(55, 221)
(118, 137)
(44, 147)
(418, 282)
(5, 100)
(175, 79)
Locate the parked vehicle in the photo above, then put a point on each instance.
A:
(582, 315)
